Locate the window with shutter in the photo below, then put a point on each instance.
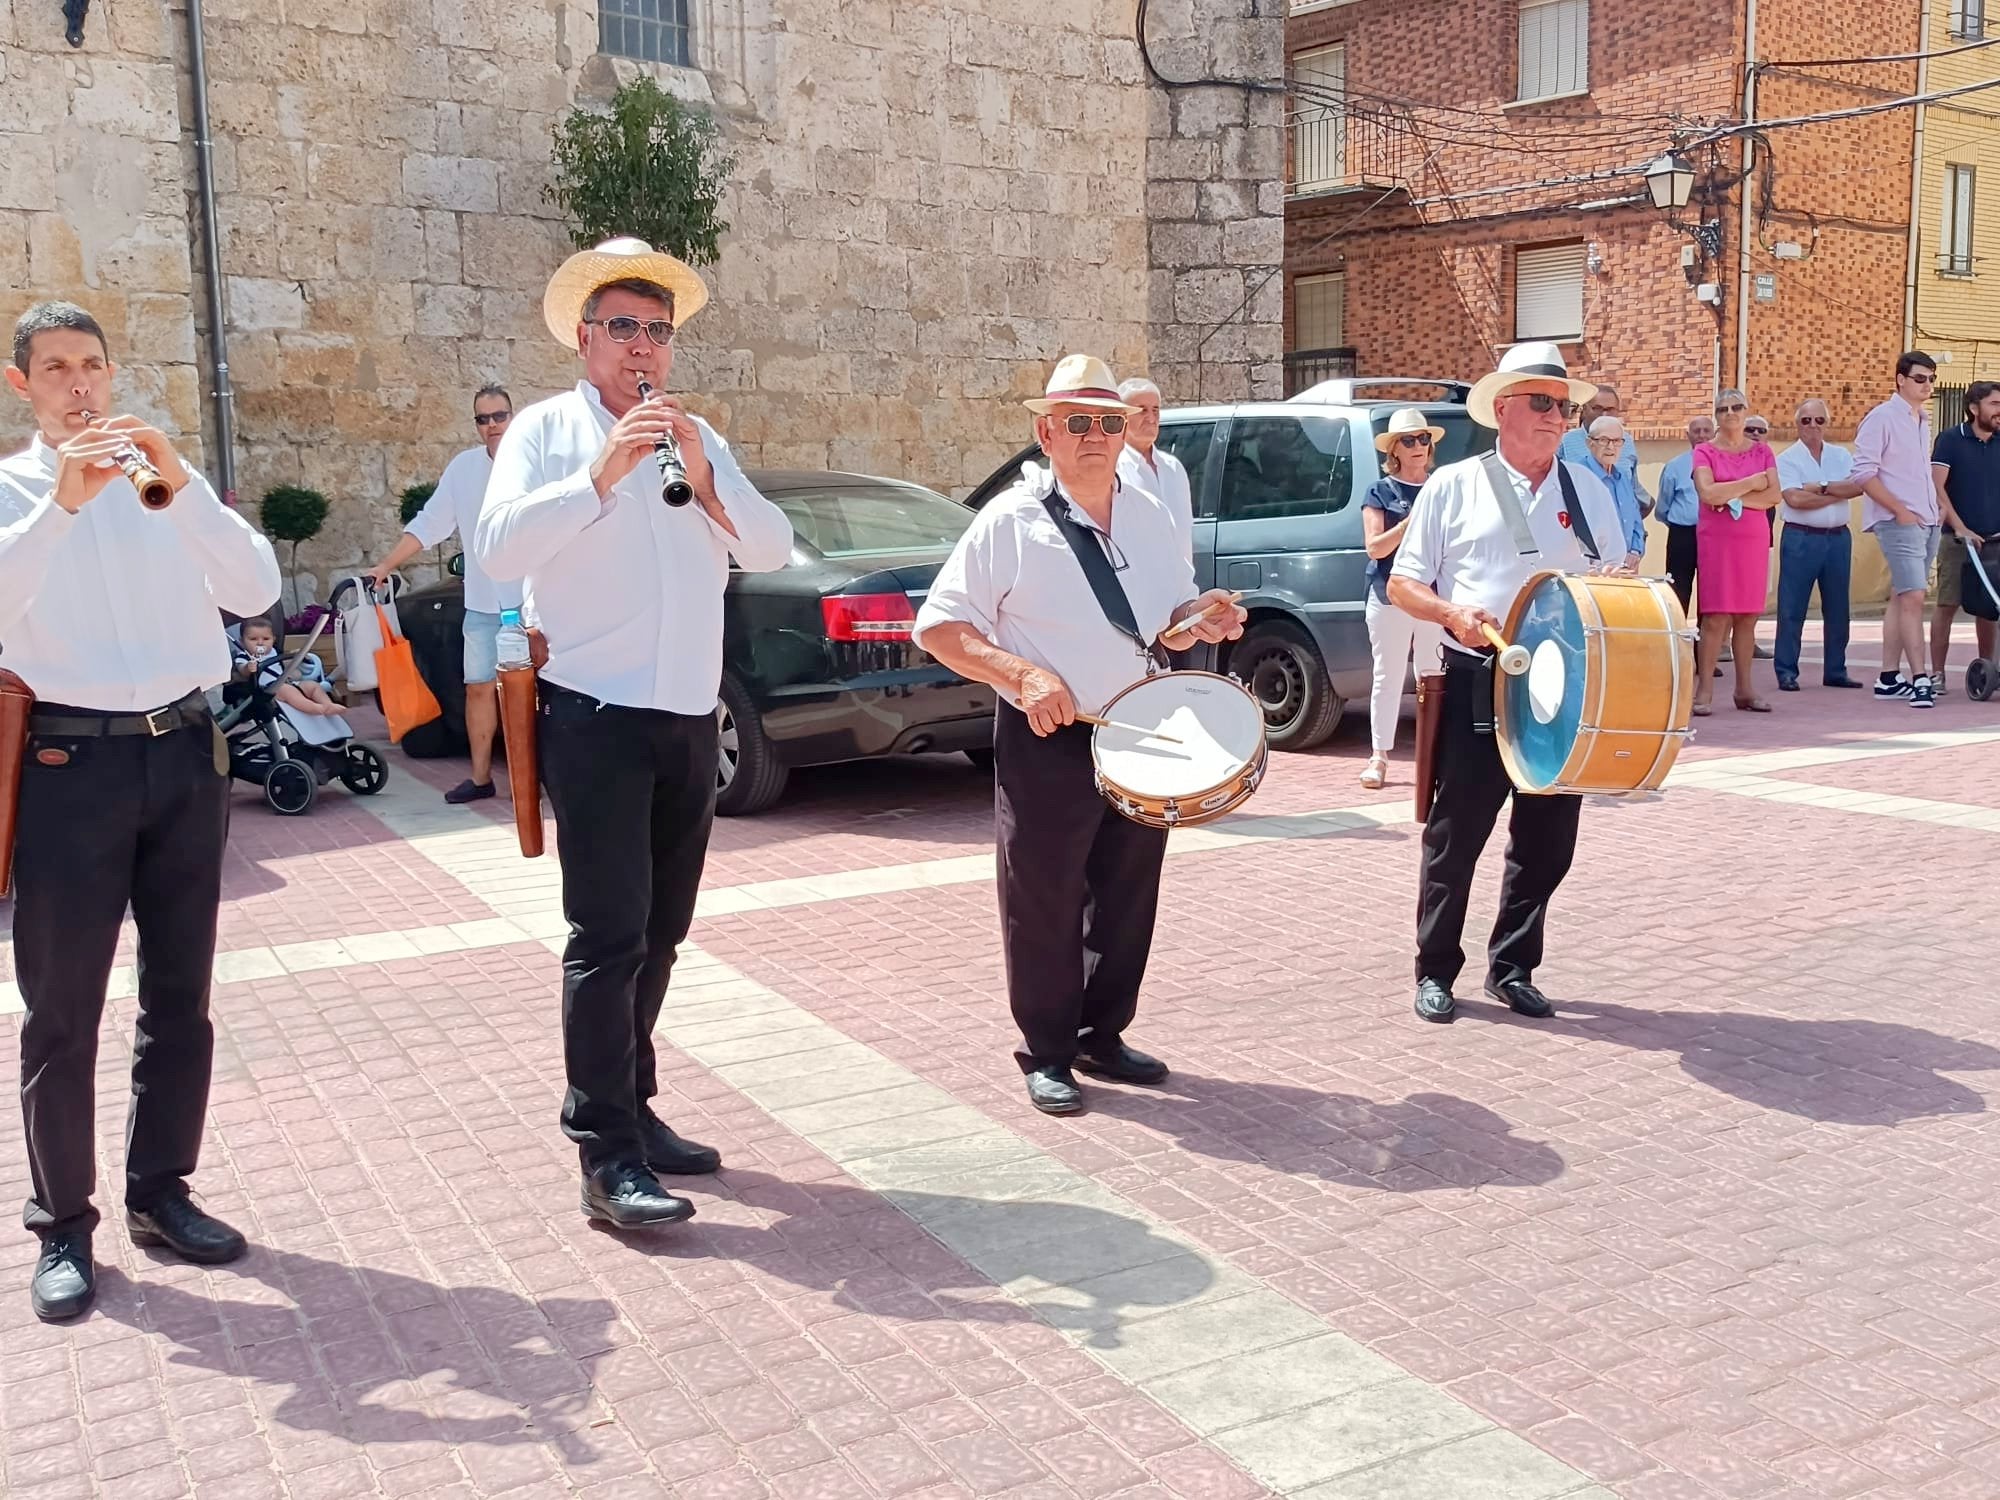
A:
(1555, 48)
(1968, 19)
(1548, 292)
(1319, 311)
(1955, 252)
(1319, 118)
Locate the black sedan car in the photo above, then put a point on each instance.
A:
(818, 665)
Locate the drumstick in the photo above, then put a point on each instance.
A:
(1201, 614)
(1513, 659)
(1102, 723)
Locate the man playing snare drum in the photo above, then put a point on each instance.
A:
(1465, 556)
(1014, 607)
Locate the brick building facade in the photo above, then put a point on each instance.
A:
(933, 200)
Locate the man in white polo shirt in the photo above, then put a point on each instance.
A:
(1146, 464)
(1015, 606)
(1815, 550)
(1467, 551)
(454, 507)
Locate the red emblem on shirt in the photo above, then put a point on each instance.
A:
(1563, 516)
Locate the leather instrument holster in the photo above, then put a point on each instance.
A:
(1430, 721)
(519, 711)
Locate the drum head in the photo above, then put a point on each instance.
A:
(1219, 726)
(1544, 705)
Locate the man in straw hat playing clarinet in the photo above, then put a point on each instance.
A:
(1058, 595)
(627, 591)
(1478, 529)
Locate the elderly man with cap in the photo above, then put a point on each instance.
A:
(1478, 529)
(627, 591)
(1058, 595)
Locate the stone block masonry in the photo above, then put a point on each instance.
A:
(932, 202)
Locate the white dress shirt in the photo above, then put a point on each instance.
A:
(1459, 543)
(454, 507)
(1799, 470)
(116, 606)
(1013, 578)
(1166, 479)
(627, 588)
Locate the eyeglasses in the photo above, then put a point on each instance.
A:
(1812, 421)
(624, 330)
(1922, 377)
(1080, 422)
(1733, 407)
(1756, 432)
(489, 418)
(1541, 401)
(1414, 439)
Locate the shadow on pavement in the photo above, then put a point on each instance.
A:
(1844, 1072)
(1420, 1144)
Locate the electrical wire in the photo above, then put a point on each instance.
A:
(1857, 112)
(1900, 57)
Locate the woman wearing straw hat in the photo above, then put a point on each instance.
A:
(628, 592)
(1407, 449)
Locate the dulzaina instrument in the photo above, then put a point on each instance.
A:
(674, 486)
(1179, 749)
(1607, 693)
(154, 491)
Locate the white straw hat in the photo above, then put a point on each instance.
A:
(1406, 420)
(1519, 365)
(1080, 380)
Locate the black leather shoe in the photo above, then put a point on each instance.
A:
(1435, 1002)
(176, 1224)
(673, 1155)
(1522, 998)
(65, 1282)
(1054, 1091)
(1124, 1065)
(1842, 682)
(1788, 684)
(628, 1196)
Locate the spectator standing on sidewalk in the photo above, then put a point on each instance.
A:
(1408, 448)
(1966, 467)
(1608, 443)
(1679, 507)
(1576, 442)
(1816, 549)
(1734, 477)
(1892, 462)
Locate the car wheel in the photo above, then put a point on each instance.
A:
(982, 759)
(749, 777)
(363, 771)
(1278, 662)
(290, 787)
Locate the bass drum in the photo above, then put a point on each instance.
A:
(1605, 703)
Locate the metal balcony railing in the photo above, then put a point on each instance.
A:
(1308, 367)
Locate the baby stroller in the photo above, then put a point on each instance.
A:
(1982, 677)
(289, 754)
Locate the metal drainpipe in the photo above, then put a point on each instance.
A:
(1746, 227)
(211, 247)
(1917, 186)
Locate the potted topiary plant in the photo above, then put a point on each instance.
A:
(293, 514)
(649, 165)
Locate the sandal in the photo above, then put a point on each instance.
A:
(1753, 705)
(1376, 772)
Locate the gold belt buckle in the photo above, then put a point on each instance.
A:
(161, 721)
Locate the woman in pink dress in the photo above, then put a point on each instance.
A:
(1737, 480)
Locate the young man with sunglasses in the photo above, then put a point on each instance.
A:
(1892, 465)
(627, 591)
(1058, 595)
(1461, 565)
(1816, 549)
(454, 507)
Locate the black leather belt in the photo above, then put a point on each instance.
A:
(88, 723)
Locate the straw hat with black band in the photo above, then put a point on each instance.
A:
(1406, 421)
(590, 271)
(1524, 364)
(1080, 380)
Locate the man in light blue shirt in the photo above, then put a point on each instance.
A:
(1576, 443)
(1679, 506)
(1607, 440)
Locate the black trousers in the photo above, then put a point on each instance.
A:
(1541, 841)
(1680, 565)
(634, 796)
(126, 821)
(1079, 889)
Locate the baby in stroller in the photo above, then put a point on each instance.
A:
(285, 732)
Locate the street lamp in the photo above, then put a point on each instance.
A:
(1670, 184)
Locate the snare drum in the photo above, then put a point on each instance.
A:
(1605, 703)
(1213, 770)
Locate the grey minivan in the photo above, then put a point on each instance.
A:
(1277, 515)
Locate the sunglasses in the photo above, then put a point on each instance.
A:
(489, 418)
(1541, 401)
(1736, 407)
(624, 330)
(1756, 432)
(1080, 422)
(1414, 439)
(1812, 421)
(1922, 377)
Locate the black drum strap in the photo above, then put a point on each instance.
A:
(1102, 578)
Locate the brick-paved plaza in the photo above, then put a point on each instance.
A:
(1725, 1227)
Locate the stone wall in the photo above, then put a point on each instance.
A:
(933, 200)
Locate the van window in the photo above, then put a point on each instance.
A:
(1283, 465)
(1191, 443)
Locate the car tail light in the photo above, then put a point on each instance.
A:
(868, 617)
